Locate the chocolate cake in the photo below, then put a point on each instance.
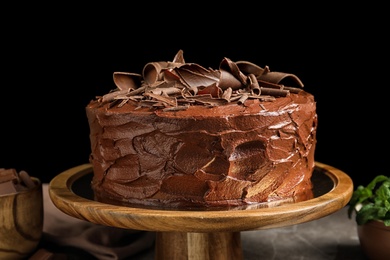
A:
(179, 135)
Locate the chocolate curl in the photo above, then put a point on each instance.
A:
(126, 80)
(278, 77)
(266, 75)
(171, 76)
(137, 91)
(213, 90)
(194, 75)
(242, 99)
(228, 65)
(227, 80)
(274, 92)
(253, 84)
(292, 89)
(266, 84)
(194, 90)
(152, 71)
(250, 68)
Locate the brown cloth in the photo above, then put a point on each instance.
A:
(101, 241)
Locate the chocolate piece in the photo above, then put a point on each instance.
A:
(11, 181)
(26, 179)
(7, 187)
(7, 175)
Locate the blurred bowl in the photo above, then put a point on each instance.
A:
(21, 222)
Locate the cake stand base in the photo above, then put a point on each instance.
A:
(199, 234)
(182, 245)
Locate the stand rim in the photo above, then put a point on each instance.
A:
(67, 201)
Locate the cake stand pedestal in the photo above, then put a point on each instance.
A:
(199, 234)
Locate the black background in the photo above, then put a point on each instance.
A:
(54, 64)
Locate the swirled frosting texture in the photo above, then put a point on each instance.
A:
(205, 155)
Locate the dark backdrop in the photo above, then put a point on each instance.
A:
(53, 67)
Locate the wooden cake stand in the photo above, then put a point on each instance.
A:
(199, 234)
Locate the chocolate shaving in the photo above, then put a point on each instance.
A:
(166, 91)
(123, 102)
(275, 92)
(112, 95)
(194, 75)
(253, 84)
(168, 100)
(206, 100)
(293, 90)
(227, 94)
(177, 85)
(242, 99)
(178, 108)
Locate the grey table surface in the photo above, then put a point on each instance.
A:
(330, 237)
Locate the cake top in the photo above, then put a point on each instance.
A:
(176, 85)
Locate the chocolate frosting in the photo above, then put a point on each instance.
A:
(189, 144)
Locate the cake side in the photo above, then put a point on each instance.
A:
(223, 153)
(205, 158)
